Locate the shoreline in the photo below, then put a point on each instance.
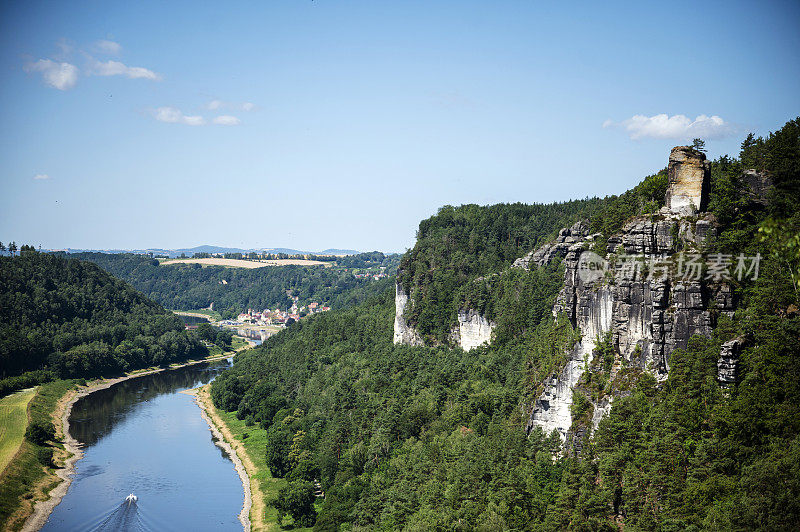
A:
(73, 448)
(221, 440)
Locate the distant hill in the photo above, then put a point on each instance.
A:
(288, 251)
(206, 248)
(334, 251)
(209, 249)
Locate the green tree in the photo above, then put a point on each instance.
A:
(206, 332)
(40, 432)
(279, 441)
(699, 145)
(297, 500)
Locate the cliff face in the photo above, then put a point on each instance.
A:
(403, 332)
(471, 330)
(646, 293)
(689, 177)
(636, 292)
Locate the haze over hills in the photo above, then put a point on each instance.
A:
(206, 248)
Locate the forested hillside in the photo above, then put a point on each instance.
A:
(68, 318)
(463, 244)
(432, 438)
(232, 290)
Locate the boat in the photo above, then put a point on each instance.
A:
(131, 498)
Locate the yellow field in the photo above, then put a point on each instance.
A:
(236, 263)
(13, 422)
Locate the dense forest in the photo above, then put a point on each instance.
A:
(232, 290)
(432, 438)
(463, 244)
(68, 318)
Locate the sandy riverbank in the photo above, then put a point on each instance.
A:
(226, 441)
(72, 448)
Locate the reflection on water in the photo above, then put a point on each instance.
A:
(193, 320)
(96, 414)
(143, 437)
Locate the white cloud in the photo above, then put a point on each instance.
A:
(227, 120)
(40, 177)
(107, 47)
(678, 127)
(115, 68)
(172, 115)
(62, 76)
(215, 105)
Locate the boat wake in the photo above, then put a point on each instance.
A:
(126, 516)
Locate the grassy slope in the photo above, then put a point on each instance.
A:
(25, 480)
(13, 422)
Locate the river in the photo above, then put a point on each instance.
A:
(142, 436)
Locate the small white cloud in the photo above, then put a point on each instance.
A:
(61, 76)
(107, 47)
(679, 127)
(227, 120)
(115, 68)
(40, 177)
(172, 115)
(215, 105)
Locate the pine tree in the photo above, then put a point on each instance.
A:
(699, 145)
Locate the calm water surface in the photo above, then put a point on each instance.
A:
(143, 437)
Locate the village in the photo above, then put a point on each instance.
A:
(277, 317)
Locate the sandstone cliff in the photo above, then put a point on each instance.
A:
(650, 309)
(471, 330)
(403, 332)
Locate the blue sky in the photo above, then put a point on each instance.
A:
(343, 124)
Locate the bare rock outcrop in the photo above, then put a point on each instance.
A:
(403, 332)
(648, 307)
(567, 238)
(472, 330)
(756, 185)
(689, 179)
(728, 361)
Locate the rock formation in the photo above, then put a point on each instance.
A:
(577, 234)
(689, 177)
(472, 330)
(650, 309)
(403, 332)
(756, 185)
(728, 361)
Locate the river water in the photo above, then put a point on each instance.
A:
(141, 436)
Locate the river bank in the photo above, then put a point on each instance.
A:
(241, 461)
(71, 452)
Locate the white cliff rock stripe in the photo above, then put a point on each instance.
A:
(403, 332)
